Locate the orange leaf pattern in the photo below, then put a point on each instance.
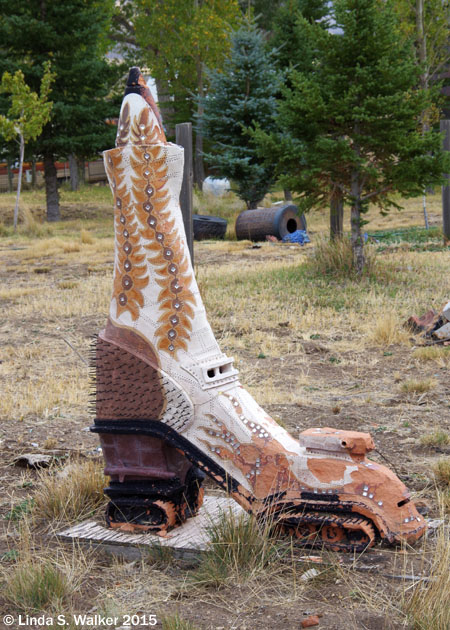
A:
(142, 212)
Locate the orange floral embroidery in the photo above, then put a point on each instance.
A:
(130, 273)
(147, 201)
(165, 247)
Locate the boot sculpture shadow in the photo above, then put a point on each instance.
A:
(169, 405)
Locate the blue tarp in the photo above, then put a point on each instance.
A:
(299, 236)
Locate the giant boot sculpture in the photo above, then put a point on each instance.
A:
(169, 403)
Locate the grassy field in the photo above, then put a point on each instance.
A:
(314, 348)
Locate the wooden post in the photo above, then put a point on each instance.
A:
(183, 134)
(445, 127)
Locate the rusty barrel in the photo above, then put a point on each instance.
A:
(278, 221)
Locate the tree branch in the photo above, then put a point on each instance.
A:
(377, 192)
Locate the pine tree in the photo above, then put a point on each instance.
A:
(240, 95)
(351, 129)
(70, 33)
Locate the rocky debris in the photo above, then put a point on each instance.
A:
(313, 620)
(434, 327)
(33, 460)
(446, 311)
(309, 575)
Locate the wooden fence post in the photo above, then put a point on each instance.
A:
(445, 127)
(183, 137)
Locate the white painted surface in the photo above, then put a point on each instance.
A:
(192, 535)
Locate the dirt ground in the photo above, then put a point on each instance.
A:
(310, 364)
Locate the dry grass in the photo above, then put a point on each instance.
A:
(335, 258)
(239, 550)
(268, 303)
(436, 438)
(418, 386)
(428, 605)
(175, 622)
(86, 237)
(71, 494)
(441, 470)
(438, 354)
(387, 330)
(35, 586)
(43, 578)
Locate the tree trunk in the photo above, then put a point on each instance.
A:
(424, 81)
(287, 194)
(51, 188)
(336, 215)
(199, 169)
(165, 105)
(73, 168)
(33, 173)
(10, 177)
(19, 182)
(81, 171)
(357, 237)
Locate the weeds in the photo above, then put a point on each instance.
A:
(159, 556)
(71, 494)
(86, 237)
(239, 547)
(175, 622)
(441, 471)
(33, 587)
(414, 386)
(428, 607)
(20, 510)
(387, 330)
(437, 438)
(335, 258)
(440, 354)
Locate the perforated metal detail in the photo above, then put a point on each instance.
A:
(213, 373)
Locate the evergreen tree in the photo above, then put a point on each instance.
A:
(70, 33)
(351, 128)
(242, 94)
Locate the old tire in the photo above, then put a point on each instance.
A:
(277, 221)
(206, 227)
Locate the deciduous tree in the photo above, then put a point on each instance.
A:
(177, 40)
(28, 113)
